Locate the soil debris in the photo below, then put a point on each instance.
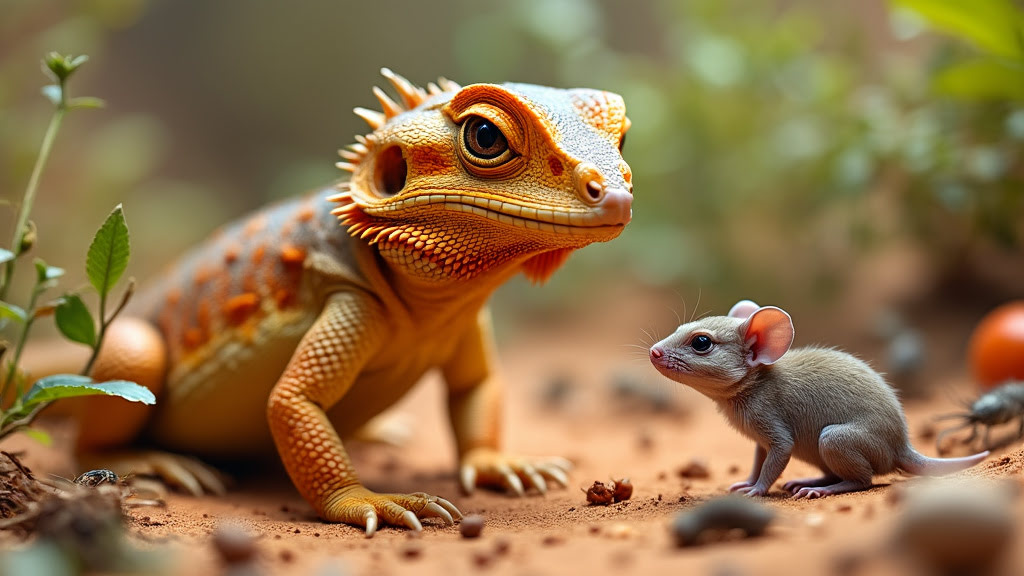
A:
(719, 516)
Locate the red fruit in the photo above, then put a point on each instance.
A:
(996, 348)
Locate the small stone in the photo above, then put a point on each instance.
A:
(720, 516)
(502, 546)
(412, 551)
(287, 556)
(600, 494)
(695, 469)
(956, 527)
(234, 544)
(620, 531)
(471, 526)
(482, 559)
(552, 540)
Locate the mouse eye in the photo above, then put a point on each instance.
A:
(701, 343)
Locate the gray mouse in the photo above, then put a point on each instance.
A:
(819, 405)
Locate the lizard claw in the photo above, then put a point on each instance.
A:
(362, 507)
(175, 470)
(486, 467)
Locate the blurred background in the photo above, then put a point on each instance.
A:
(857, 163)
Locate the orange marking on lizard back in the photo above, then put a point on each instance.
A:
(306, 213)
(239, 308)
(173, 296)
(258, 253)
(284, 298)
(192, 339)
(292, 255)
(231, 254)
(255, 226)
(204, 274)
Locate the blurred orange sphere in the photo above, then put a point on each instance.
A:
(996, 349)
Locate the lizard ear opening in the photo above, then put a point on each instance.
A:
(768, 334)
(389, 172)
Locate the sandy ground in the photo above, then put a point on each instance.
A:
(565, 398)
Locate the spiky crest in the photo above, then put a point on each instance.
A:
(411, 96)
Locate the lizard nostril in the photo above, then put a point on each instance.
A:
(595, 190)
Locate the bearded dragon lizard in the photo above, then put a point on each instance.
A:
(283, 331)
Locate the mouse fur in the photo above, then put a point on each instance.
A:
(820, 405)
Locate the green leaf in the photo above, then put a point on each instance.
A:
(86, 102)
(61, 66)
(38, 435)
(995, 26)
(75, 322)
(981, 80)
(6, 255)
(46, 276)
(71, 385)
(9, 311)
(109, 252)
(53, 93)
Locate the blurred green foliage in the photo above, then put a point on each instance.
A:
(774, 144)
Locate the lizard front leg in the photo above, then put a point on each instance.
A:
(325, 365)
(474, 408)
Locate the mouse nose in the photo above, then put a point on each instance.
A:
(612, 204)
(656, 352)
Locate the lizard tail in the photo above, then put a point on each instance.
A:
(916, 463)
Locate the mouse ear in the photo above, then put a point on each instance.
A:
(743, 309)
(768, 334)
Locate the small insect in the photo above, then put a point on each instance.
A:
(96, 478)
(999, 406)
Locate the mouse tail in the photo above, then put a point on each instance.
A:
(916, 463)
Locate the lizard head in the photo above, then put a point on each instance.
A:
(455, 182)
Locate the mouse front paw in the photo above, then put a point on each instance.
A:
(492, 469)
(753, 491)
(740, 485)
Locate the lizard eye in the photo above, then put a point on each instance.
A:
(484, 143)
(701, 343)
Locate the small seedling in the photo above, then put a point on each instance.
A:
(106, 261)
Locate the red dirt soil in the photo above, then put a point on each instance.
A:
(606, 434)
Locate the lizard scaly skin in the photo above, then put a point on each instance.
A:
(284, 331)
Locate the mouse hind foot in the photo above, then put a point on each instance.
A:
(843, 486)
(794, 485)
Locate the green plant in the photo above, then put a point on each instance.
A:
(106, 261)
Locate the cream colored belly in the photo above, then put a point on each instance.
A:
(219, 409)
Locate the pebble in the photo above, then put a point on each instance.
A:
(233, 544)
(695, 469)
(471, 526)
(956, 527)
(721, 515)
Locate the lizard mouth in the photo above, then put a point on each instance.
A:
(611, 215)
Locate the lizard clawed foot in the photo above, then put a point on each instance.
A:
(177, 471)
(490, 468)
(362, 507)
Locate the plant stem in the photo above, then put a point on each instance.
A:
(12, 371)
(30, 194)
(99, 337)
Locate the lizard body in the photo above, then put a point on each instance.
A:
(283, 330)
